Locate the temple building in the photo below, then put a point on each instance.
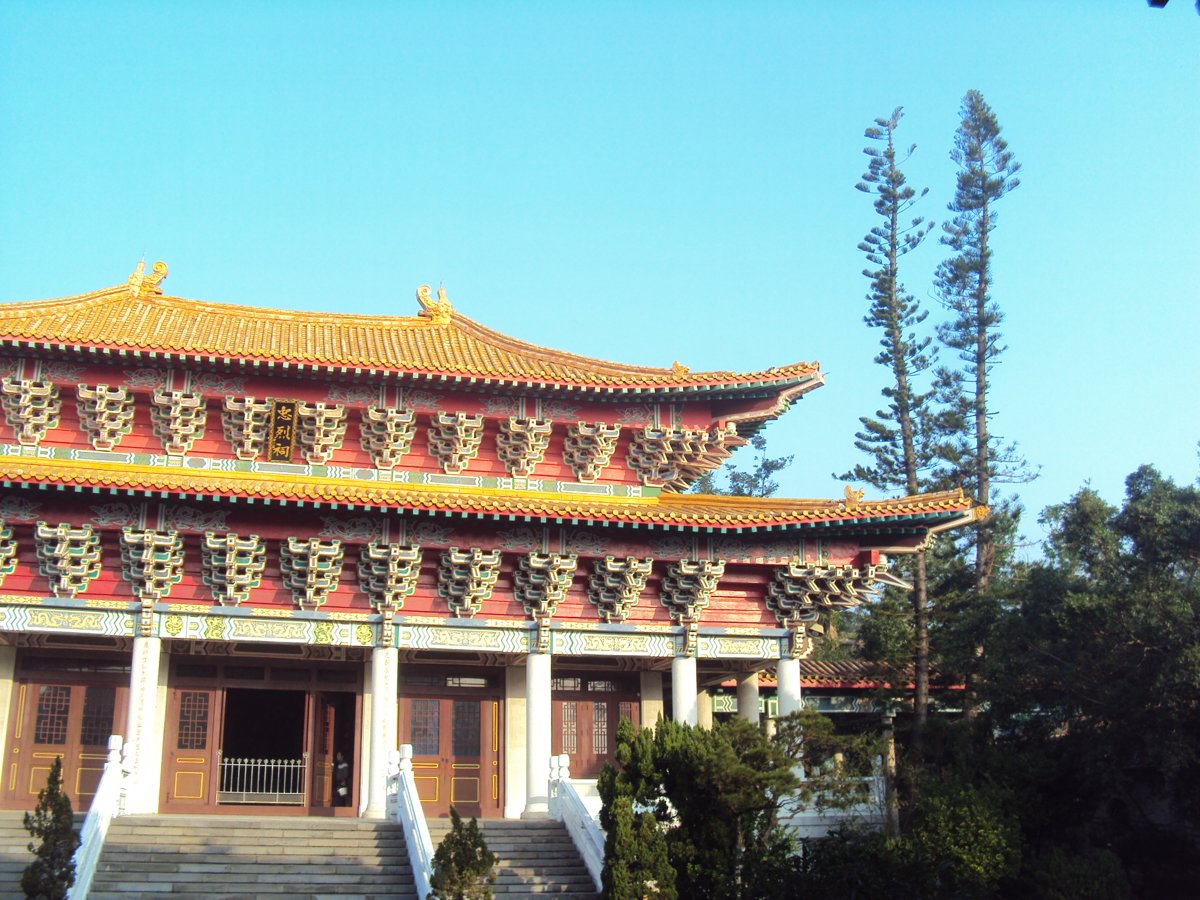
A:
(249, 540)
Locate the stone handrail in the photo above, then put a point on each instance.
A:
(568, 808)
(404, 806)
(107, 804)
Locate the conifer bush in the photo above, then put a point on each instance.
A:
(462, 865)
(52, 824)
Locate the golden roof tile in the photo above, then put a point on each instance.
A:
(698, 511)
(137, 317)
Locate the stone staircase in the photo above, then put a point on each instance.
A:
(535, 858)
(182, 857)
(14, 855)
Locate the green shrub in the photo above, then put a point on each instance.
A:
(462, 865)
(52, 824)
(1095, 875)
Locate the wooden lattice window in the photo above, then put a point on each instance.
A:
(54, 707)
(570, 727)
(193, 720)
(599, 727)
(426, 729)
(626, 711)
(466, 728)
(99, 703)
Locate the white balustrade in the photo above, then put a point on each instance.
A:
(568, 807)
(107, 804)
(404, 806)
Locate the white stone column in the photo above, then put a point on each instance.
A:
(704, 710)
(8, 668)
(537, 734)
(747, 697)
(788, 673)
(684, 708)
(140, 731)
(652, 698)
(385, 675)
(515, 757)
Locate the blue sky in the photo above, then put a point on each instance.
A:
(643, 182)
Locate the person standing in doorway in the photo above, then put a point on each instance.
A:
(341, 780)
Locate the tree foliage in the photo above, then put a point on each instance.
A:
(900, 440)
(710, 799)
(964, 283)
(52, 825)
(462, 864)
(1097, 669)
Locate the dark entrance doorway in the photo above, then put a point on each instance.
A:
(260, 738)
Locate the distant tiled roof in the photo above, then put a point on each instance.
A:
(687, 511)
(862, 674)
(438, 343)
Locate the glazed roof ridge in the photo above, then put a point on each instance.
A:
(134, 318)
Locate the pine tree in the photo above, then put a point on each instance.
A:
(987, 172)
(52, 824)
(975, 455)
(898, 439)
(462, 865)
(635, 849)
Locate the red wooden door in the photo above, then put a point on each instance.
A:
(325, 724)
(192, 742)
(456, 753)
(61, 720)
(585, 713)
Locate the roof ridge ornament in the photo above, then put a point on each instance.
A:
(439, 311)
(141, 284)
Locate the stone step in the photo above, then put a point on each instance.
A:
(216, 856)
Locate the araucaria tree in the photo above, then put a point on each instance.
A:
(898, 439)
(52, 824)
(987, 172)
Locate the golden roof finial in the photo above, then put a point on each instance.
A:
(141, 284)
(438, 311)
(678, 369)
(853, 497)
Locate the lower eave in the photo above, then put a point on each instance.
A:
(674, 512)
